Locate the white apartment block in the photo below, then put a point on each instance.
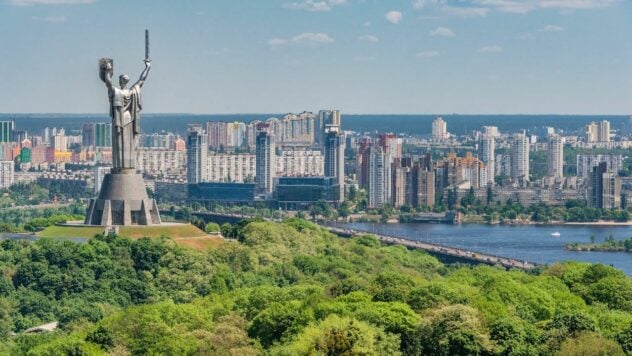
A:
(231, 167)
(161, 161)
(7, 174)
(297, 163)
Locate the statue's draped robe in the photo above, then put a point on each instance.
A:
(125, 112)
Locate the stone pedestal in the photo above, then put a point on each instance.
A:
(123, 200)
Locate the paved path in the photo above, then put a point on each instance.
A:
(442, 250)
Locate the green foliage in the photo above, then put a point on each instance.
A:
(294, 288)
(341, 336)
(212, 228)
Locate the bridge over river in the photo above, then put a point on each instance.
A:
(448, 254)
(444, 253)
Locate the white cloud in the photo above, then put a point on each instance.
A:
(442, 32)
(314, 5)
(490, 49)
(394, 17)
(369, 38)
(428, 54)
(474, 8)
(576, 4)
(552, 28)
(465, 12)
(49, 2)
(526, 37)
(309, 37)
(302, 38)
(51, 19)
(277, 42)
(367, 24)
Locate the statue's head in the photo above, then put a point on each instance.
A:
(123, 80)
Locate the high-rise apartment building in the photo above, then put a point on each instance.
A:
(520, 158)
(7, 174)
(604, 131)
(586, 163)
(98, 134)
(439, 129)
(378, 169)
(231, 167)
(6, 131)
(491, 131)
(488, 156)
(605, 188)
(266, 162)
(325, 118)
(60, 143)
(555, 157)
(598, 132)
(197, 152)
(99, 175)
(335, 158)
(362, 161)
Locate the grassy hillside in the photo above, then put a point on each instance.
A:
(292, 288)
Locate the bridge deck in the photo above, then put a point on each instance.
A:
(442, 250)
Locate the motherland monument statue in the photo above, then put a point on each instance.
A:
(123, 198)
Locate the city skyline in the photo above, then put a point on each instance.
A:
(410, 57)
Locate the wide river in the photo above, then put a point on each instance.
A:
(533, 243)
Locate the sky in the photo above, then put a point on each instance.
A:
(358, 56)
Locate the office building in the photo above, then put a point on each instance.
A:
(555, 157)
(439, 129)
(520, 158)
(266, 162)
(197, 151)
(301, 192)
(335, 158)
(222, 193)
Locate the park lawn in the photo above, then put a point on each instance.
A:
(135, 232)
(70, 231)
(173, 231)
(200, 243)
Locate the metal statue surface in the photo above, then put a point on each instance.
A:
(125, 108)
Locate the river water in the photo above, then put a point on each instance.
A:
(532, 243)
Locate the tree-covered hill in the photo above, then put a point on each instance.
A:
(292, 288)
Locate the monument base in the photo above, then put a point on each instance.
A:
(123, 201)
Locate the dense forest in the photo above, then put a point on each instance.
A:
(293, 288)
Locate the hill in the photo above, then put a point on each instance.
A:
(292, 288)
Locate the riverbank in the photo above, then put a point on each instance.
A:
(610, 245)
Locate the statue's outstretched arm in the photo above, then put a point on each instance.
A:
(143, 75)
(107, 76)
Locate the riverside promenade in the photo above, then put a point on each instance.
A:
(440, 250)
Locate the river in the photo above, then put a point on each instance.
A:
(533, 243)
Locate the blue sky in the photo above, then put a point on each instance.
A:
(360, 56)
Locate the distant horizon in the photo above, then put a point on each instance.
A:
(314, 111)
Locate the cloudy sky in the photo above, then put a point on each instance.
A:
(360, 56)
